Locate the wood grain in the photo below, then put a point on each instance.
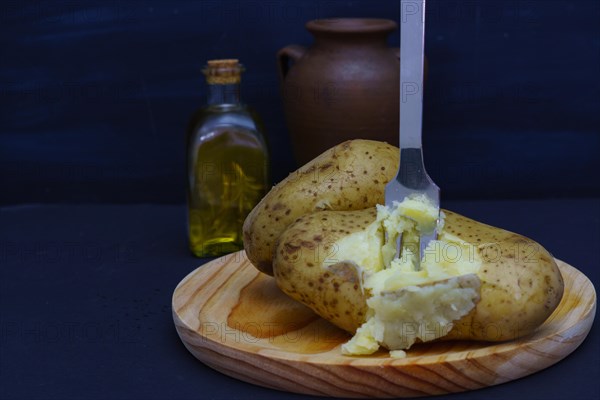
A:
(235, 320)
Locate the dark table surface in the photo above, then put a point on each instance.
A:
(85, 296)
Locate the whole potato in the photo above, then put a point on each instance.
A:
(514, 282)
(350, 176)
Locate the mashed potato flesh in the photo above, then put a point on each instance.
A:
(364, 248)
(410, 304)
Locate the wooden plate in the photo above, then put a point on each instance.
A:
(235, 320)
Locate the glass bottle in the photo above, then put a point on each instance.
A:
(227, 161)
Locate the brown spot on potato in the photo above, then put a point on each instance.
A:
(308, 244)
(325, 166)
(291, 248)
(278, 206)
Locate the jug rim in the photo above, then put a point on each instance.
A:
(351, 25)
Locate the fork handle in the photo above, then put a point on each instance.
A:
(412, 41)
(412, 172)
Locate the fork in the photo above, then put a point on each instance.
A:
(412, 179)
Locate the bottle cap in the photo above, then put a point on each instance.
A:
(223, 72)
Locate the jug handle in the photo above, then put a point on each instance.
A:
(294, 52)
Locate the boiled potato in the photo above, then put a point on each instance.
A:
(322, 233)
(350, 176)
(476, 282)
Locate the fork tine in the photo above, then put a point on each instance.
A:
(424, 242)
(398, 245)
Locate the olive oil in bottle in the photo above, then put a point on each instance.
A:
(227, 161)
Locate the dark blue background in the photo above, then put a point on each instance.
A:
(94, 101)
(95, 96)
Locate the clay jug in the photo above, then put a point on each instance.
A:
(345, 86)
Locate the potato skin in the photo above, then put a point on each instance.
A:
(521, 284)
(349, 176)
(334, 292)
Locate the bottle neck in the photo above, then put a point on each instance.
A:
(223, 94)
